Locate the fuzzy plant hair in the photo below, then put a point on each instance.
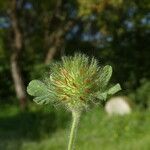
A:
(77, 82)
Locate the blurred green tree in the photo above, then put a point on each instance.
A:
(33, 33)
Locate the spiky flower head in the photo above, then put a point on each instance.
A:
(76, 82)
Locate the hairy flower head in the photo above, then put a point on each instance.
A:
(75, 82)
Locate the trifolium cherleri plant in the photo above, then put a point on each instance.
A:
(76, 82)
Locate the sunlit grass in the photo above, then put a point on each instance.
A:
(97, 131)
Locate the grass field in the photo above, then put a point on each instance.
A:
(40, 129)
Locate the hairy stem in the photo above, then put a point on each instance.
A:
(75, 121)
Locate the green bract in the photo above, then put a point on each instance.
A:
(76, 82)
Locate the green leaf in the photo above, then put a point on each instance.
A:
(101, 96)
(114, 89)
(111, 91)
(43, 99)
(105, 76)
(41, 92)
(37, 88)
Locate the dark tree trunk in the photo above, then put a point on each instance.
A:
(17, 48)
(56, 42)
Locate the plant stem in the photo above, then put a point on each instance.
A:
(75, 121)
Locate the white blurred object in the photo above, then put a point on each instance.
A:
(118, 106)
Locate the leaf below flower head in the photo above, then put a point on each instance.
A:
(111, 91)
(114, 89)
(40, 91)
(101, 96)
(45, 99)
(37, 88)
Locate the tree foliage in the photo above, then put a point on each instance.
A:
(116, 32)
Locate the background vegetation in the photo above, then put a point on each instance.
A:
(33, 33)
